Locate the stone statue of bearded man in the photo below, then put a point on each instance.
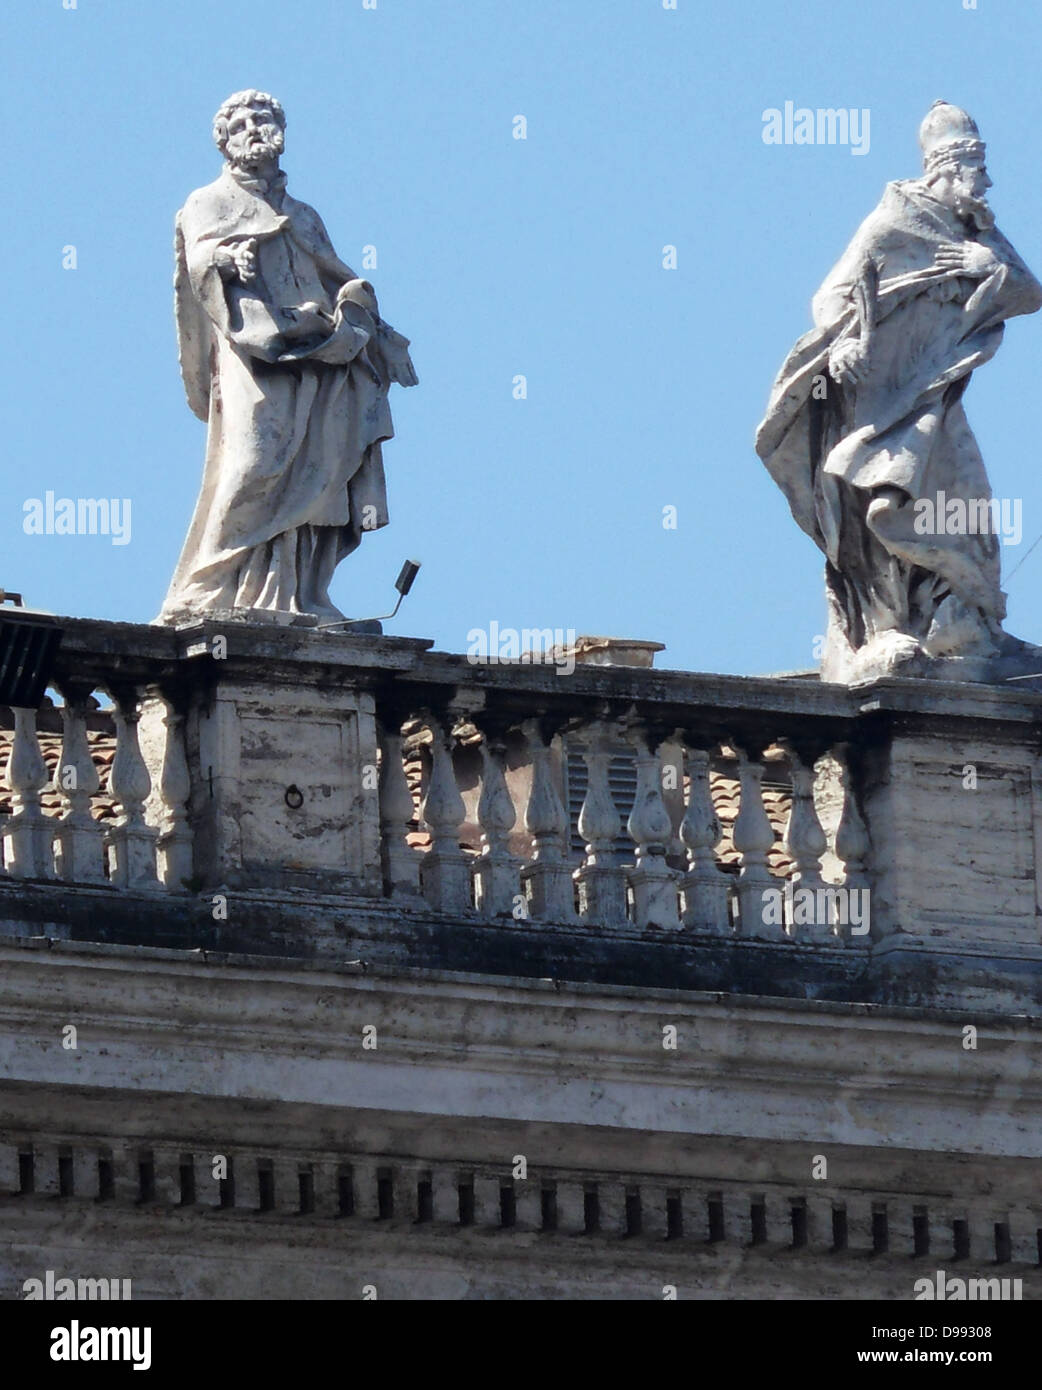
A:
(284, 355)
(866, 435)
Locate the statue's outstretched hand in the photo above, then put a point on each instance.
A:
(966, 258)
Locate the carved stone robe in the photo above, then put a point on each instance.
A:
(831, 447)
(293, 471)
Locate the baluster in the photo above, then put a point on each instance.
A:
(546, 880)
(80, 840)
(851, 846)
(602, 884)
(174, 845)
(753, 838)
(400, 862)
(28, 834)
(705, 885)
(445, 872)
(655, 902)
(132, 843)
(496, 880)
(805, 842)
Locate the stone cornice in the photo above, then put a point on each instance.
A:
(521, 1049)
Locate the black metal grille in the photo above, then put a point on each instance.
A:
(27, 652)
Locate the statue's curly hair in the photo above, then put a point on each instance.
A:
(250, 97)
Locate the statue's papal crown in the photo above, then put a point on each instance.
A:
(949, 129)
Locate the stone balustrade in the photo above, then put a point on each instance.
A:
(617, 799)
(197, 764)
(505, 851)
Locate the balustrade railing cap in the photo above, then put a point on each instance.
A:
(304, 645)
(1016, 700)
(92, 648)
(100, 639)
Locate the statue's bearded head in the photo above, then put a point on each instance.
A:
(960, 180)
(953, 161)
(249, 129)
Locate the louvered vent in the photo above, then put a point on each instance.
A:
(622, 779)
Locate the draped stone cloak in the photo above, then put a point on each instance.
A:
(296, 425)
(902, 427)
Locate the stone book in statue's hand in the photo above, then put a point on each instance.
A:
(344, 336)
(308, 322)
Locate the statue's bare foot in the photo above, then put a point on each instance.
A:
(326, 612)
(887, 654)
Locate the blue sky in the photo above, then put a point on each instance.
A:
(500, 257)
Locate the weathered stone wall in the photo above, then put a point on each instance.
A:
(691, 1166)
(420, 1086)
